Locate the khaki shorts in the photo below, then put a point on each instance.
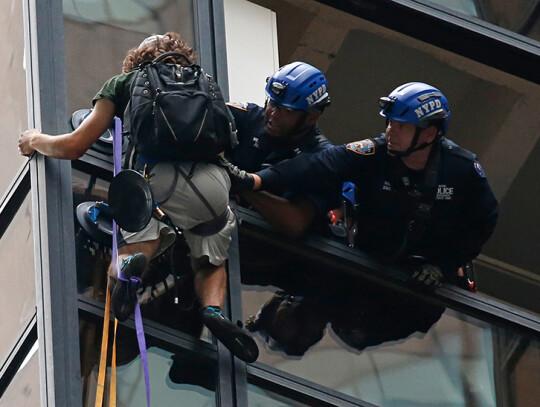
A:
(186, 209)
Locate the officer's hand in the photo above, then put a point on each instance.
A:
(427, 276)
(240, 180)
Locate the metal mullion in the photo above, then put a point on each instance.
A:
(235, 305)
(14, 198)
(205, 31)
(52, 212)
(299, 389)
(231, 381)
(18, 354)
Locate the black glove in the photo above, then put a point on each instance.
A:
(240, 180)
(427, 275)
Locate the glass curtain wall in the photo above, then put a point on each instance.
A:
(13, 104)
(465, 360)
(20, 375)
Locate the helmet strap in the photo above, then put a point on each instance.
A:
(413, 147)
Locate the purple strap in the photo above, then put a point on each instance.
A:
(117, 154)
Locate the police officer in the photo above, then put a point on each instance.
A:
(285, 127)
(423, 200)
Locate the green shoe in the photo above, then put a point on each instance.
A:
(233, 337)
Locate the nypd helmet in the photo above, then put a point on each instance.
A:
(417, 103)
(299, 86)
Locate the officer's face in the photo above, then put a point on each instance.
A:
(280, 121)
(399, 135)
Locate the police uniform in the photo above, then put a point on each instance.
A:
(463, 215)
(257, 150)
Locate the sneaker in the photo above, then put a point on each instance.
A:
(124, 295)
(233, 337)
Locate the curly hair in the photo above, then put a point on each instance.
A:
(156, 45)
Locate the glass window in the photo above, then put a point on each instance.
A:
(174, 375)
(18, 298)
(519, 16)
(24, 389)
(13, 104)
(490, 111)
(99, 33)
(383, 347)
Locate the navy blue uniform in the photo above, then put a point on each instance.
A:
(257, 150)
(464, 212)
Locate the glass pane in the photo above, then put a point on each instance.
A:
(13, 89)
(381, 346)
(18, 295)
(173, 375)
(112, 28)
(23, 391)
(519, 16)
(259, 397)
(489, 108)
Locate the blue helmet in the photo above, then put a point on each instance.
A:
(417, 103)
(299, 86)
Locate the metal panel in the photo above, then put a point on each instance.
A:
(53, 215)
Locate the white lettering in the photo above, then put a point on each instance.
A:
(321, 90)
(431, 105)
(419, 112)
(425, 107)
(438, 103)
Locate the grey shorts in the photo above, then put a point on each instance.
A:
(186, 208)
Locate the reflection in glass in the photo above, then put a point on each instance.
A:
(369, 353)
(23, 391)
(13, 89)
(173, 376)
(18, 295)
(98, 34)
(519, 16)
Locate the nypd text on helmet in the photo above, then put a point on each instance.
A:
(317, 95)
(428, 107)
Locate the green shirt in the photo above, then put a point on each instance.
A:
(117, 90)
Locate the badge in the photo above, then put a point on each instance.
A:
(364, 147)
(479, 169)
(238, 105)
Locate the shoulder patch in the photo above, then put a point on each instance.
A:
(364, 147)
(238, 105)
(479, 169)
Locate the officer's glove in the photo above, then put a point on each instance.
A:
(427, 276)
(240, 180)
(423, 274)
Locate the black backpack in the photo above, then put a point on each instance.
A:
(177, 113)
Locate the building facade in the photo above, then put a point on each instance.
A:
(485, 348)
